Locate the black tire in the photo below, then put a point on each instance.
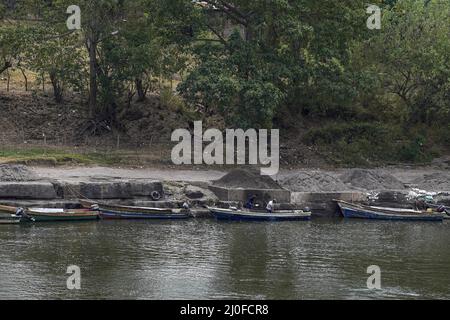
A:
(156, 195)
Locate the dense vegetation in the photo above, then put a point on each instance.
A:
(302, 66)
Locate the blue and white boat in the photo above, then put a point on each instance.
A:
(253, 215)
(351, 210)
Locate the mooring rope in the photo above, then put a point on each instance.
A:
(79, 194)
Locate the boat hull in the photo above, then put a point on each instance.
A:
(50, 215)
(110, 214)
(7, 211)
(364, 212)
(61, 217)
(135, 213)
(235, 215)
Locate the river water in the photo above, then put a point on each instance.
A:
(205, 259)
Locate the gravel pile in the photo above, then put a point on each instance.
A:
(371, 180)
(246, 179)
(438, 181)
(313, 181)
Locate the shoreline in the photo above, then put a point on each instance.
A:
(316, 189)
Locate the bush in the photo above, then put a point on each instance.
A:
(372, 143)
(347, 132)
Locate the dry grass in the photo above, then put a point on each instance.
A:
(54, 156)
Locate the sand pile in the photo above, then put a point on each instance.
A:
(246, 179)
(438, 181)
(16, 173)
(313, 181)
(371, 180)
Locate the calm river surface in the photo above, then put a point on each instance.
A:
(205, 259)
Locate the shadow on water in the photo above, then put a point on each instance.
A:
(206, 259)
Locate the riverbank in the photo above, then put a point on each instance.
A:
(34, 130)
(420, 177)
(316, 189)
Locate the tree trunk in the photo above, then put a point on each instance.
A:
(8, 81)
(25, 78)
(93, 71)
(57, 90)
(142, 93)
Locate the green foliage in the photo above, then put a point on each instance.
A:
(349, 132)
(236, 85)
(254, 63)
(410, 56)
(360, 143)
(279, 54)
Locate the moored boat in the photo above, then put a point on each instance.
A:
(129, 212)
(45, 214)
(48, 215)
(253, 215)
(7, 210)
(352, 210)
(8, 215)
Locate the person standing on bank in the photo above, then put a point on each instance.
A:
(271, 206)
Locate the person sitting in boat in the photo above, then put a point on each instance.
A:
(20, 213)
(271, 206)
(186, 206)
(250, 204)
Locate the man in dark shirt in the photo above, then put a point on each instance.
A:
(250, 204)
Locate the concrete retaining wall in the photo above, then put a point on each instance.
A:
(27, 190)
(110, 190)
(91, 190)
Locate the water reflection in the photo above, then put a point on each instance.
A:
(205, 259)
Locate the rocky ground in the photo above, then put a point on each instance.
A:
(319, 180)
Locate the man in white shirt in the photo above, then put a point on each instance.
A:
(270, 205)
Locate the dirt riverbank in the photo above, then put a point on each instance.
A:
(320, 180)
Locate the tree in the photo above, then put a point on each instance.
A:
(411, 56)
(14, 41)
(280, 53)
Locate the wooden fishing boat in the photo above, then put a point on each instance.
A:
(259, 215)
(7, 210)
(48, 215)
(351, 210)
(8, 215)
(129, 212)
